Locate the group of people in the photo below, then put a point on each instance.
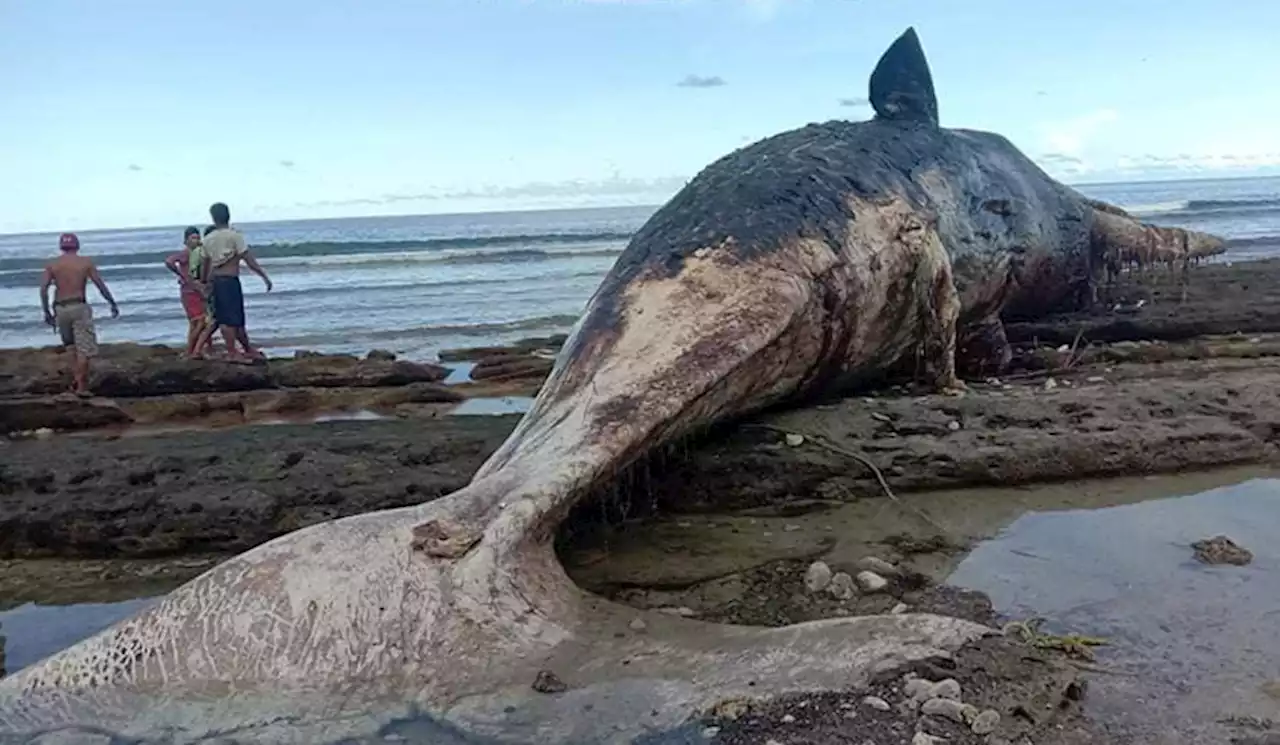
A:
(208, 271)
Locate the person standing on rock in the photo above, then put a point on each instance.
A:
(72, 315)
(188, 264)
(224, 249)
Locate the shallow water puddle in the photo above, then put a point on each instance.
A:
(496, 406)
(1191, 644)
(33, 632)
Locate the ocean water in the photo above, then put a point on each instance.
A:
(419, 284)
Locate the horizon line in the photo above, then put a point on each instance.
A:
(523, 210)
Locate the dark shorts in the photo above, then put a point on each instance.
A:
(228, 302)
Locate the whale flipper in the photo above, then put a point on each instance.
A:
(901, 87)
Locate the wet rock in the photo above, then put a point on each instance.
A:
(877, 703)
(348, 372)
(380, 354)
(788, 719)
(1221, 550)
(918, 689)
(877, 565)
(841, 587)
(638, 624)
(134, 370)
(545, 345)
(898, 609)
(511, 368)
(924, 738)
(419, 393)
(949, 688)
(986, 722)
(57, 413)
(817, 577)
(945, 708)
(710, 733)
(870, 582)
(548, 682)
(794, 440)
(1050, 384)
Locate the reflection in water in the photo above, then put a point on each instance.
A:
(34, 632)
(493, 406)
(1195, 643)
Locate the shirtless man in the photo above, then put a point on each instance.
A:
(72, 316)
(224, 249)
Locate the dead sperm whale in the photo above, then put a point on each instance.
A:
(805, 262)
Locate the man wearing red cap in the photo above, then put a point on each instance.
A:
(72, 316)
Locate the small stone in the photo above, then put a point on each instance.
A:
(549, 682)
(880, 417)
(381, 354)
(731, 709)
(1221, 550)
(871, 582)
(986, 722)
(877, 703)
(790, 528)
(1064, 348)
(1050, 384)
(787, 719)
(638, 624)
(44, 433)
(710, 732)
(944, 707)
(817, 576)
(877, 565)
(953, 425)
(924, 738)
(1095, 379)
(948, 688)
(841, 587)
(918, 688)
(898, 609)
(682, 611)
(795, 441)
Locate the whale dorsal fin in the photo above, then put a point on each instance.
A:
(901, 85)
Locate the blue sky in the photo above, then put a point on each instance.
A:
(137, 112)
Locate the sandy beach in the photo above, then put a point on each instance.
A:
(133, 501)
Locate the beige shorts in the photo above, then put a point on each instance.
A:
(75, 326)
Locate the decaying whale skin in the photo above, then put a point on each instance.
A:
(806, 262)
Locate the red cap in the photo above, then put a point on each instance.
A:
(69, 242)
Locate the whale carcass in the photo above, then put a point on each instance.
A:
(803, 263)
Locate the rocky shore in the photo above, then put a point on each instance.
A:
(1071, 411)
(1146, 385)
(137, 384)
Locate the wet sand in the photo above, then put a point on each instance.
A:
(726, 525)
